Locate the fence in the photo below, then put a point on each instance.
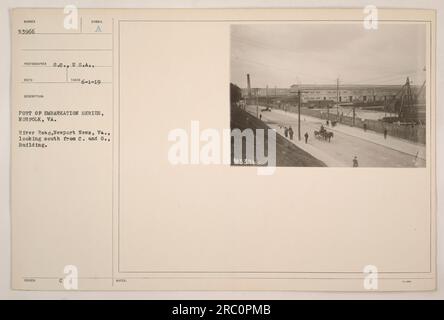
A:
(412, 132)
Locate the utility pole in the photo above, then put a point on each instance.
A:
(354, 115)
(249, 87)
(257, 102)
(337, 98)
(299, 115)
(328, 109)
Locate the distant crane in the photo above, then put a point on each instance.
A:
(405, 103)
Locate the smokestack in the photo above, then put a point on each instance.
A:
(249, 85)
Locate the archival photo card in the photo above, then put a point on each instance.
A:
(156, 149)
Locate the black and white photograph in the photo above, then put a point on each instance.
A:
(336, 94)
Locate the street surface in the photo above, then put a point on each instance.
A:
(370, 148)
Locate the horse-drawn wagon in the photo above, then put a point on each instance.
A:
(323, 134)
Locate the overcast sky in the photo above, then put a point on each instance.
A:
(309, 53)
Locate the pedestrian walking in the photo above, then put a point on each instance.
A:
(260, 116)
(355, 162)
(365, 127)
(306, 137)
(385, 133)
(286, 132)
(290, 132)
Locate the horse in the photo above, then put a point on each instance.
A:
(326, 135)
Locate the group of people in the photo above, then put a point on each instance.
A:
(288, 132)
